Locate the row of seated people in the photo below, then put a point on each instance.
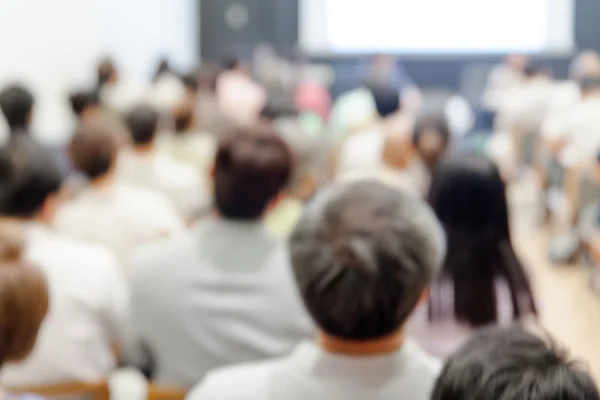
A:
(362, 257)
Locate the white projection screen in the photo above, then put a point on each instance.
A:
(437, 26)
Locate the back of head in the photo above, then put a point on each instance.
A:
(183, 117)
(251, 168)
(83, 100)
(23, 298)
(93, 148)
(509, 365)
(468, 196)
(387, 99)
(28, 176)
(362, 254)
(16, 103)
(142, 122)
(107, 72)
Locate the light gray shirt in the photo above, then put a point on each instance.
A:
(313, 373)
(218, 295)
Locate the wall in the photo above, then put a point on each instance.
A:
(53, 47)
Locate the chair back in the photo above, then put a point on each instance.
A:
(165, 393)
(93, 391)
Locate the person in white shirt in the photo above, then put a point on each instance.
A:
(144, 165)
(88, 296)
(363, 255)
(222, 293)
(109, 212)
(503, 78)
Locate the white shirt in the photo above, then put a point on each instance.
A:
(312, 373)
(218, 295)
(118, 216)
(525, 107)
(177, 181)
(88, 309)
(361, 153)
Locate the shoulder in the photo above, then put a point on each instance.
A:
(424, 365)
(248, 381)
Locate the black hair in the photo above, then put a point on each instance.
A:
(251, 167)
(16, 103)
(437, 125)
(142, 122)
(81, 100)
(469, 198)
(512, 364)
(386, 98)
(190, 82)
(28, 175)
(105, 72)
(362, 255)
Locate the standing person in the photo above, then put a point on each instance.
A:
(482, 281)
(88, 296)
(363, 255)
(513, 364)
(503, 78)
(222, 293)
(431, 141)
(107, 211)
(144, 165)
(23, 301)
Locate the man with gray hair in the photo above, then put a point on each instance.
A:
(363, 255)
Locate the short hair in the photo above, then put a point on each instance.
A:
(190, 82)
(362, 255)
(82, 99)
(16, 103)
(24, 299)
(251, 167)
(106, 70)
(512, 364)
(29, 175)
(142, 122)
(93, 148)
(183, 116)
(386, 98)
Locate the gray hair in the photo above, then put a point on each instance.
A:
(362, 255)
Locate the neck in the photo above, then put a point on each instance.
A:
(144, 148)
(102, 181)
(376, 347)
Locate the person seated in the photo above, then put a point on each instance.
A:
(16, 104)
(167, 88)
(501, 364)
(85, 105)
(117, 94)
(482, 281)
(190, 144)
(304, 180)
(108, 211)
(24, 301)
(222, 293)
(385, 150)
(363, 255)
(431, 140)
(88, 296)
(143, 165)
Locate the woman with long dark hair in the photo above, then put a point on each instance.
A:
(482, 281)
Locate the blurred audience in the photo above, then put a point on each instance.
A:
(88, 299)
(482, 281)
(85, 105)
(513, 364)
(144, 165)
(362, 255)
(108, 211)
(23, 302)
(223, 292)
(167, 88)
(431, 141)
(16, 103)
(502, 79)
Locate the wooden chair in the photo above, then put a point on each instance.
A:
(165, 393)
(95, 391)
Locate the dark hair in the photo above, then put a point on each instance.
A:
(468, 196)
(424, 126)
(509, 365)
(16, 103)
(534, 69)
(231, 63)
(142, 122)
(81, 100)
(362, 254)
(163, 67)
(190, 82)
(28, 176)
(386, 98)
(183, 117)
(251, 168)
(106, 70)
(271, 112)
(24, 299)
(93, 148)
